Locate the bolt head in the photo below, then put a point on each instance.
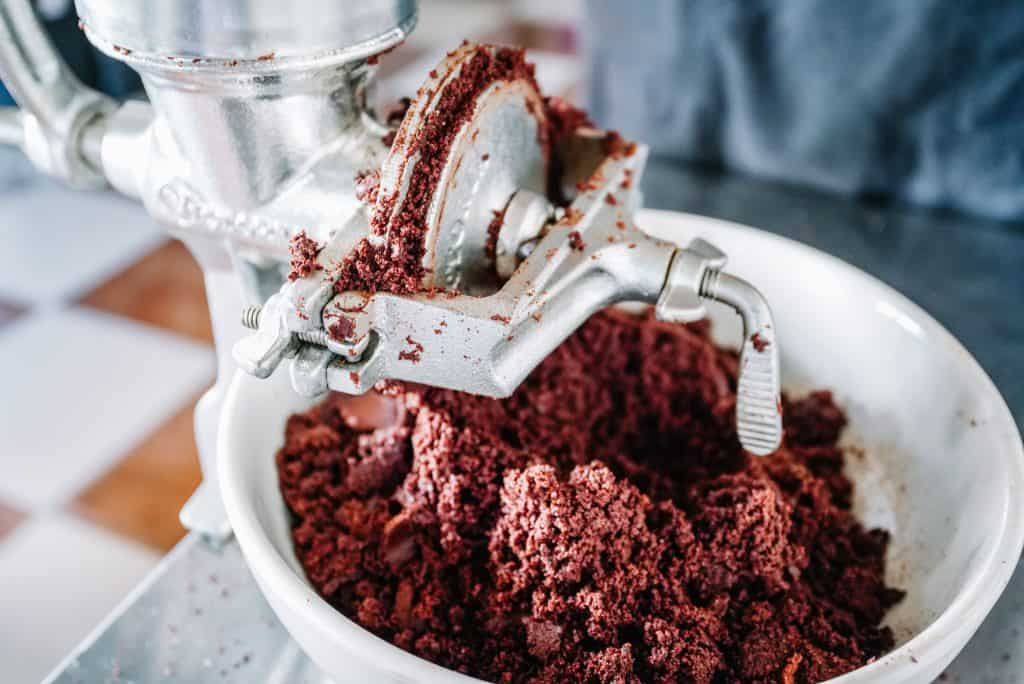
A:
(346, 320)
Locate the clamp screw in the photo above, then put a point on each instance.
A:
(251, 319)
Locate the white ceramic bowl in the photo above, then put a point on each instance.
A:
(944, 466)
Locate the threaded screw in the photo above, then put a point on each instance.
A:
(318, 337)
(251, 319)
(709, 283)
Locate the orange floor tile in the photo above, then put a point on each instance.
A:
(164, 289)
(9, 518)
(140, 498)
(9, 311)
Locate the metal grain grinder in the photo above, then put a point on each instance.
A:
(257, 125)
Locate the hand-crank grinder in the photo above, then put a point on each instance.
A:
(456, 251)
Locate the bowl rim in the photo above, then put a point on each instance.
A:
(964, 613)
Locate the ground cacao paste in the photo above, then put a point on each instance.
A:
(602, 524)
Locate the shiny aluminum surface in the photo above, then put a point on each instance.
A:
(247, 29)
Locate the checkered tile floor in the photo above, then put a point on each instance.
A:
(105, 346)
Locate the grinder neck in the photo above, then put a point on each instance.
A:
(244, 136)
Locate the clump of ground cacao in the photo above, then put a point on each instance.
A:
(601, 524)
(616, 146)
(564, 118)
(303, 250)
(367, 185)
(493, 230)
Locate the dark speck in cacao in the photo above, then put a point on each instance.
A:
(493, 228)
(602, 524)
(395, 116)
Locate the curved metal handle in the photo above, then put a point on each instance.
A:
(695, 275)
(758, 400)
(59, 124)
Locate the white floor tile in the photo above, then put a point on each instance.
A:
(57, 243)
(80, 388)
(59, 577)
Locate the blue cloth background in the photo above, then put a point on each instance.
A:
(916, 100)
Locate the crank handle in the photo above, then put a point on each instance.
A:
(694, 277)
